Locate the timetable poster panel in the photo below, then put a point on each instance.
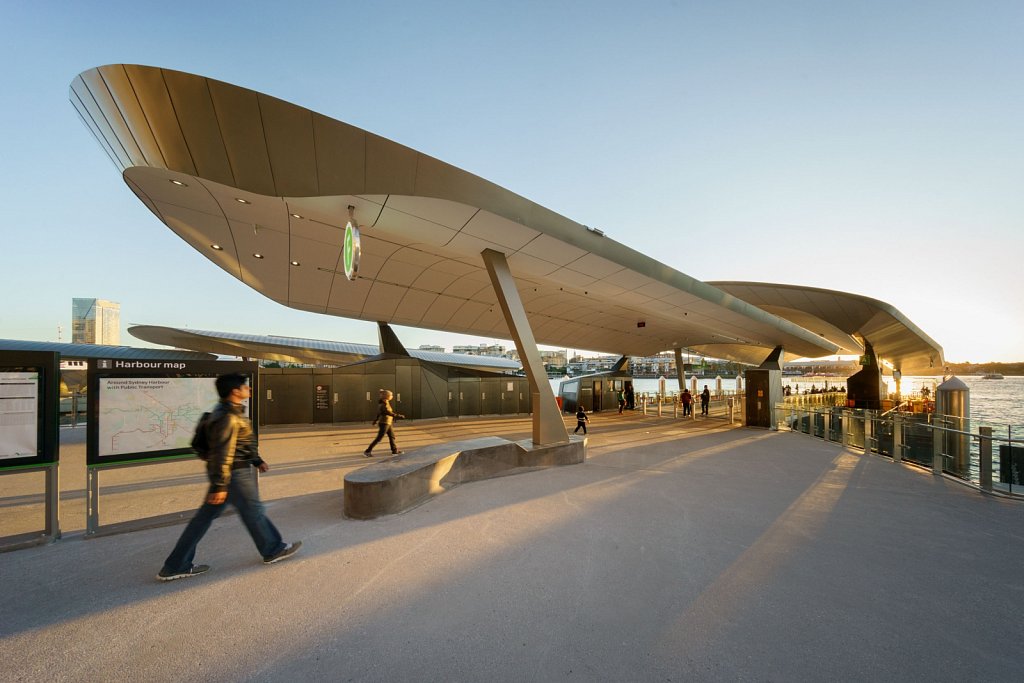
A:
(19, 415)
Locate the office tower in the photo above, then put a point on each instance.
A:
(95, 321)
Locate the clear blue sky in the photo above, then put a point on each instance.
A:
(871, 147)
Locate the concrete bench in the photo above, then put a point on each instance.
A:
(404, 481)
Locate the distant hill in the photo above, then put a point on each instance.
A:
(985, 368)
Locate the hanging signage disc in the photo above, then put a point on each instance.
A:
(351, 250)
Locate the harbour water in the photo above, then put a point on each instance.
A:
(994, 402)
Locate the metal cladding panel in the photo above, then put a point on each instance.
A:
(200, 126)
(510, 397)
(490, 396)
(243, 139)
(405, 401)
(340, 156)
(351, 405)
(289, 135)
(90, 122)
(127, 103)
(158, 109)
(440, 211)
(433, 394)
(390, 167)
(413, 304)
(469, 396)
(201, 230)
(270, 273)
(372, 384)
(291, 399)
(312, 284)
(112, 116)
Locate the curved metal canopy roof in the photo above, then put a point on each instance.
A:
(254, 175)
(85, 351)
(295, 350)
(847, 320)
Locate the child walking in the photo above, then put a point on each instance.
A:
(581, 420)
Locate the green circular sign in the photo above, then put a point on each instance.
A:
(350, 251)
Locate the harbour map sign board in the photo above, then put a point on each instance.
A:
(28, 408)
(149, 409)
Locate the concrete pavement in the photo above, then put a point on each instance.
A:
(678, 551)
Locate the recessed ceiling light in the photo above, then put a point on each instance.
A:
(258, 255)
(217, 247)
(295, 263)
(295, 215)
(242, 201)
(179, 183)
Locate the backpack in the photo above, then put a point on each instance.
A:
(200, 442)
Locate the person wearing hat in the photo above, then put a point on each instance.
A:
(385, 417)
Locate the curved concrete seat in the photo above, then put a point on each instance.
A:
(406, 480)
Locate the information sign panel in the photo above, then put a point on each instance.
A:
(28, 408)
(149, 409)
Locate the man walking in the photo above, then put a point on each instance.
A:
(385, 418)
(231, 466)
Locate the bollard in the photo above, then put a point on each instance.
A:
(675, 408)
(897, 438)
(985, 458)
(659, 406)
(869, 429)
(643, 402)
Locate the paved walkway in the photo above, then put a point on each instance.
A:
(679, 551)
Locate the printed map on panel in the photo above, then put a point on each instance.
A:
(143, 414)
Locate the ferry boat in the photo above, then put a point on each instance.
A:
(992, 375)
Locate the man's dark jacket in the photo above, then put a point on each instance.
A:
(232, 444)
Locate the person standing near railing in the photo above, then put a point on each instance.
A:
(705, 399)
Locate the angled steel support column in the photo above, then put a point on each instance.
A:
(548, 427)
(680, 371)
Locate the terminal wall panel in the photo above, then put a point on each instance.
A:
(322, 397)
(490, 396)
(509, 397)
(433, 396)
(290, 399)
(404, 402)
(469, 396)
(351, 405)
(372, 384)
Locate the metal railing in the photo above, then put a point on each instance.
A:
(989, 459)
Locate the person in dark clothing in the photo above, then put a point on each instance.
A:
(581, 420)
(687, 400)
(705, 399)
(231, 467)
(622, 400)
(385, 417)
(630, 397)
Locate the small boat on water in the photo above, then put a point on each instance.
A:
(992, 375)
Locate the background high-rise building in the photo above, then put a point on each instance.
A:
(95, 321)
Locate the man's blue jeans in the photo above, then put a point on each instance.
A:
(244, 494)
